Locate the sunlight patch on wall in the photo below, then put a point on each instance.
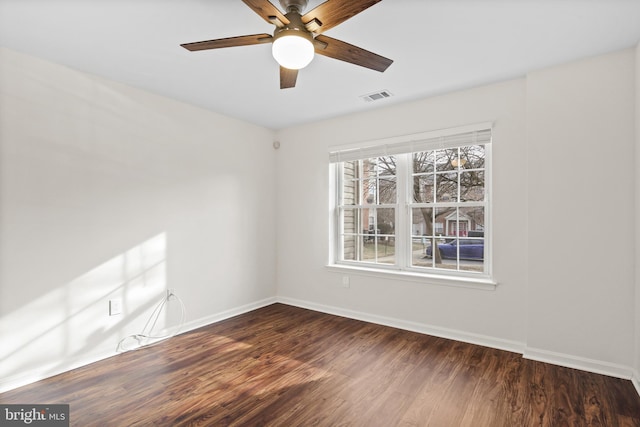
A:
(71, 323)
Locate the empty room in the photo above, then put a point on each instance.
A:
(320, 213)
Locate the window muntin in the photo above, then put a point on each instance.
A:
(394, 210)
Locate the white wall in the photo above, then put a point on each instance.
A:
(563, 197)
(470, 314)
(107, 192)
(580, 135)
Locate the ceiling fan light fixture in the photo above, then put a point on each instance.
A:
(298, 35)
(293, 49)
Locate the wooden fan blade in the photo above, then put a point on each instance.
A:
(229, 42)
(287, 78)
(267, 11)
(334, 12)
(334, 48)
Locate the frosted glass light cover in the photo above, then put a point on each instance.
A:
(292, 52)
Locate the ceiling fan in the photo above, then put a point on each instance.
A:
(298, 36)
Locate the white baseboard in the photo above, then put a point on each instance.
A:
(452, 334)
(42, 372)
(217, 317)
(636, 381)
(581, 363)
(589, 365)
(60, 367)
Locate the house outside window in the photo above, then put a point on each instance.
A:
(417, 204)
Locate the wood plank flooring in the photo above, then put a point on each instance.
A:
(286, 366)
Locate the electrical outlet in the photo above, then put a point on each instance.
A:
(115, 306)
(345, 281)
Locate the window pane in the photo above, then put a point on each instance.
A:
(448, 220)
(386, 166)
(428, 228)
(368, 234)
(443, 217)
(350, 219)
(386, 180)
(458, 238)
(444, 159)
(472, 186)
(386, 250)
(419, 256)
(369, 191)
(384, 236)
(472, 157)
(447, 187)
(385, 221)
(350, 182)
(474, 218)
(423, 186)
(350, 248)
(351, 169)
(369, 181)
(423, 162)
(387, 191)
(421, 232)
(369, 252)
(422, 222)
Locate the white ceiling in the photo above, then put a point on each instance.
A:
(438, 46)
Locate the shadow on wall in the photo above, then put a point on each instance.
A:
(72, 324)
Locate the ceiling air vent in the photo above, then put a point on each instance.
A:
(376, 95)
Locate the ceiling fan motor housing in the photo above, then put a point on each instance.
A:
(294, 27)
(294, 5)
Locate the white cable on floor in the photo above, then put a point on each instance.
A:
(153, 319)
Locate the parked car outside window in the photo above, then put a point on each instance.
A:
(470, 249)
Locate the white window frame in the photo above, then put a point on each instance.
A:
(399, 147)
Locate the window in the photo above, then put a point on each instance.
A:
(368, 211)
(418, 204)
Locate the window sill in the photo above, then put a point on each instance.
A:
(481, 283)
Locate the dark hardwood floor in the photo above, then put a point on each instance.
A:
(286, 366)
